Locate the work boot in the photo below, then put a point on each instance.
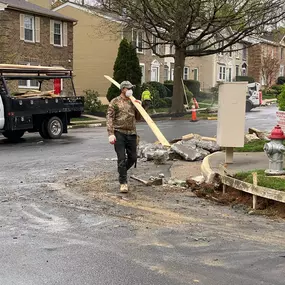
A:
(124, 188)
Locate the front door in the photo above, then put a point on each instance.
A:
(154, 73)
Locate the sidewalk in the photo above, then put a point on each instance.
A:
(243, 161)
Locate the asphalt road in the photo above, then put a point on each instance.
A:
(263, 118)
(61, 221)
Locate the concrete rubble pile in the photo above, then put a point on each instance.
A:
(255, 135)
(190, 148)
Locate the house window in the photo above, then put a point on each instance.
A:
(137, 39)
(229, 79)
(237, 70)
(196, 74)
(57, 36)
(29, 28)
(221, 44)
(186, 73)
(142, 66)
(281, 53)
(28, 83)
(222, 73)
(166, 73)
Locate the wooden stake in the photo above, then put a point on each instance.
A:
(254, 197)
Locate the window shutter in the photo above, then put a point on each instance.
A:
(51, 32)
(22, 27)
(38, 29)
(65, 34)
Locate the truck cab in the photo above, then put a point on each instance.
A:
(45, 108)
(253, 96)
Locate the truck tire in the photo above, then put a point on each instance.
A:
(248, 106)
(43, 130)
(54, 127)
(13, 136)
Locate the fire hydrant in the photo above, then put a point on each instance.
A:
(274, 150)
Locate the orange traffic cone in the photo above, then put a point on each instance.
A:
(196, 103)
(194, 114)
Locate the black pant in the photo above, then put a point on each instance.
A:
(146, 104)
(126, 149)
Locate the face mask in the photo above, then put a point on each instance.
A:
(129, 93)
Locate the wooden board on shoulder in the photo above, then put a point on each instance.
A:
(145, 115)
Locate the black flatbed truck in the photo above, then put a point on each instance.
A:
(49, 116)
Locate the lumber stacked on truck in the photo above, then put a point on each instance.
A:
(36, 94)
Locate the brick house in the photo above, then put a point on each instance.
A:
(34, 35)
(273, 45)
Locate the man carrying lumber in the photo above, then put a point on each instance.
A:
(121, 127)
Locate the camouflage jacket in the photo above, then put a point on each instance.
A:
(122, 116)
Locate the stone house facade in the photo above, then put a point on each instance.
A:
(33, 35)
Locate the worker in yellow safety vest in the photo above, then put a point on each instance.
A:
(146, 98)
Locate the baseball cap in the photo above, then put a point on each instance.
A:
(126, 84)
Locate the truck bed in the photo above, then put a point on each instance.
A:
(21, 113)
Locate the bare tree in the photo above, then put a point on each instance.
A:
(269, 69)
(195, 27)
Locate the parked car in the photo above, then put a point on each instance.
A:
(254, 96)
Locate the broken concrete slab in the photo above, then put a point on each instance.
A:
(260, 134)
(250, 138)
(210, 146)
(189, 152)
(160, 156)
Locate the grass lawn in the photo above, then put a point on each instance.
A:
(263, 180)
(254, 146)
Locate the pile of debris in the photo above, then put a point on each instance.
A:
(191, 147)
(255, 135)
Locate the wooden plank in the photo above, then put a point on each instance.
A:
(16, 66)
(145, 115)
(259, 191)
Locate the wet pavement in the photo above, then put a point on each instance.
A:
(62, 221)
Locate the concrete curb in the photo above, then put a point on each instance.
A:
(206, 170)
(82, 126)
